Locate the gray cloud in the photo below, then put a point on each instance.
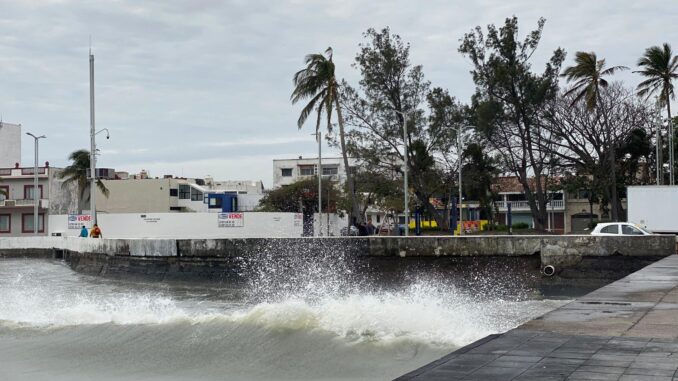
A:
(180, 83)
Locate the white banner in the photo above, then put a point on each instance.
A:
(76, 221)
(231, 220)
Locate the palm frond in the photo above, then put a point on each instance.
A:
(102, 188)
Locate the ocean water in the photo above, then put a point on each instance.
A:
(315, 323)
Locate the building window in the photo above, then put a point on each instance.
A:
(307, 170)
(196, 195)
(286, 172)
(5, 223)
(174, 192)
(28, 192)
(184, 192)
(215, 203)
(27, 223)
(175, 208)
(4, 192)
(329, 171)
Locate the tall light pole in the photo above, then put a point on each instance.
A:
(659, 143)
(406, 162)
(93, 145)
(672, 172)
(318, 136)
(36, 200)
(461, 201)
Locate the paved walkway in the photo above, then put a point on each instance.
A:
(627, 330)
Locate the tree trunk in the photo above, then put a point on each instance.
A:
(350, 179)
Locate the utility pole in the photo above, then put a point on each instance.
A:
(461, 200)
(405, 164)
(93, 146)
(318, 136)
(36, 197)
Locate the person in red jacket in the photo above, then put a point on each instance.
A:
(96, 232)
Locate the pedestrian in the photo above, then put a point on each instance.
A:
(96, 232)
(83, 232)
(362, 229)
(371, 229)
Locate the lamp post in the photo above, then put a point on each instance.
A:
(318, 135)
(461, 200)
(672, 174)
(405, 187)
(36, 200)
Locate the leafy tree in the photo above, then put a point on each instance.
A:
(583, 139)
(379, 190)
(579, 180)
(509, 105)
(76, 173)
(301, 196)
(318, 83)
(392, 94)
(660, 67)
(635, 150)
(588, 76)
(478, 174)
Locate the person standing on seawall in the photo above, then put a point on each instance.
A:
(96, 232)
(83, 232)
(371, 229)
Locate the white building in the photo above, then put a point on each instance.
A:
(10, 145)
(288, 171)
(171, 194)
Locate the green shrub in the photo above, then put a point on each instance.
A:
(520, 225)
(500, 227)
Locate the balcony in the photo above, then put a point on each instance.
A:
(23, 203)
(525, 206)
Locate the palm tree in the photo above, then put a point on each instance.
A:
(588, 76)
(660, 67)
(77, 173)
(317, 82)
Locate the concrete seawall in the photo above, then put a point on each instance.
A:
(573, 257)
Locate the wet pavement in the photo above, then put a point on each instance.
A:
(627, 330)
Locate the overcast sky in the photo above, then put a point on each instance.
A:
(200, 88)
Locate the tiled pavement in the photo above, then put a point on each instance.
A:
(625, 331)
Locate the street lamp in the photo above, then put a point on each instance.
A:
(36, 200)
(459, 151)
(405, 187)
(318, 136)
(93, 173)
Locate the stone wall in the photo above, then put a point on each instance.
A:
(573, 257)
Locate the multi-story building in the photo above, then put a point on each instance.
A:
(510, 190)
(287, 171)
(10, 144)
(18, 198)
(171, 194)
(17, 194)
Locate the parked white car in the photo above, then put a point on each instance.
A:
(619, 228)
